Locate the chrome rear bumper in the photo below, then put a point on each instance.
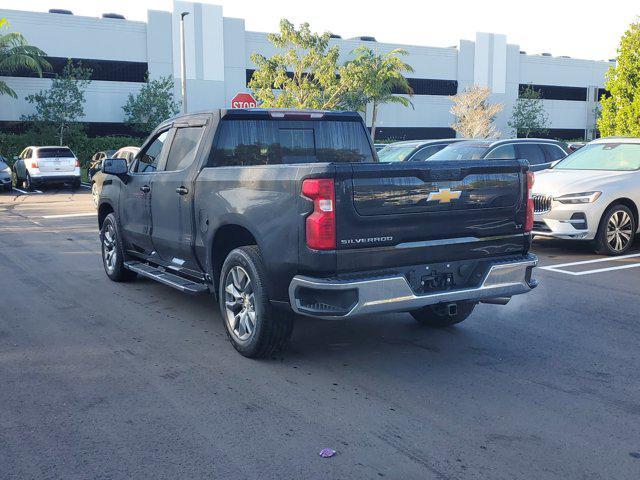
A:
(394, 294)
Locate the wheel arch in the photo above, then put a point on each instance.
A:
(627, 202)
(226, 238)
(104, 209)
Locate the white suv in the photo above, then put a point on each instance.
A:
(45, 165)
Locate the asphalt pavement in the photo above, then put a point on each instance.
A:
(101, 380)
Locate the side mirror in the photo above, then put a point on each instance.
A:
(115, 166)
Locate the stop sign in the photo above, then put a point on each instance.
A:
(243, 100)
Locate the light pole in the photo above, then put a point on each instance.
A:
(183, 65)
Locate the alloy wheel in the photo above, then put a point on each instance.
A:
(619, 230)
(109, 251)
(94, 194)
(240, 303)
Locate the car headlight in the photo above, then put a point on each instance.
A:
(584, 197)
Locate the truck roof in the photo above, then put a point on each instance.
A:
(266, 113)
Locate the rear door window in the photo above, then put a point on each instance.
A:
(553, 152)
(531, 152)
(502, 152)
(183, 148)
(273, 142)
(426, 152)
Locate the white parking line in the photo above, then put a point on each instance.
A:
(18, 190)
(37, 191)
(558, 268)
(71, 215)
(85, 185)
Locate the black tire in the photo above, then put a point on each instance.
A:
(602, 243)
(76, 184)
(110, 235)
(271, 328)
(28, 183)
(438, 315)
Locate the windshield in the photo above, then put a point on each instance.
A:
(460, 151)
(397, 153)
(55, 152)
(603, 156)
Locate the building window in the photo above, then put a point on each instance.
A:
(106, 70)
(420, 86)
(556, 92)
(431, 86)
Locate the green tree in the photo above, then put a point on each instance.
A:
(153, 104)
(621, 109)
(303, 74)
(474, 113)
(376, 79)
(61, 106)
(17, 55)
(529, 116)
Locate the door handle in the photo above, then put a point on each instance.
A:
(182, 190)
(145, 189)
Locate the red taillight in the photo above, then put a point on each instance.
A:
(528, 223)
(77, 163)
(34, 164)
(321, 224)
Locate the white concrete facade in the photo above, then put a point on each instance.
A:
(218, 57)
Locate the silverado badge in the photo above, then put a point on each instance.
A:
(444, 195)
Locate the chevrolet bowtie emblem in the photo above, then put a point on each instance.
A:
(444, 195)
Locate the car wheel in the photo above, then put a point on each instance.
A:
(95, 194)
(616, 231)
(76, 184)
(254, 327)
(438, 315)
(112, 251)
(28, 183)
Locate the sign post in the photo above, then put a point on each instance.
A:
(243, 100)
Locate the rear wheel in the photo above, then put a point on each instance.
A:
(440, 316)
(253, 326)
(112, 251)
(76, 184)
(28, 183)
(616, 231)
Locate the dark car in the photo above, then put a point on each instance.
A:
(126, 153)
(540, 153)
(285, 212)
(413, 150)
(95, 164)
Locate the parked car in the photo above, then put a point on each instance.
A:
(593, 194)
(287, 212)
(46, 165)
(379, 146)
(126, 153)
(540, 153)
(413, 150)
(95, 164)
(5, 175)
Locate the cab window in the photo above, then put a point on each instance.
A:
(150, 156)
(183, 148)
(531, 152)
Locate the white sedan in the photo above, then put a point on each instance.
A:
(593, 194)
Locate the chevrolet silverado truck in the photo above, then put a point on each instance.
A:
(281, 213)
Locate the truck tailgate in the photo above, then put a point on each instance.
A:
(420, 212)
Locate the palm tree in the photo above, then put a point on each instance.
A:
(17, 55)
(379, 78)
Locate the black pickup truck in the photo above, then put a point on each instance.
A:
(282, 213)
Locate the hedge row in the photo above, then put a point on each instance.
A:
(11, 144)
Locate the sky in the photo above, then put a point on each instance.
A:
(578, 28)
